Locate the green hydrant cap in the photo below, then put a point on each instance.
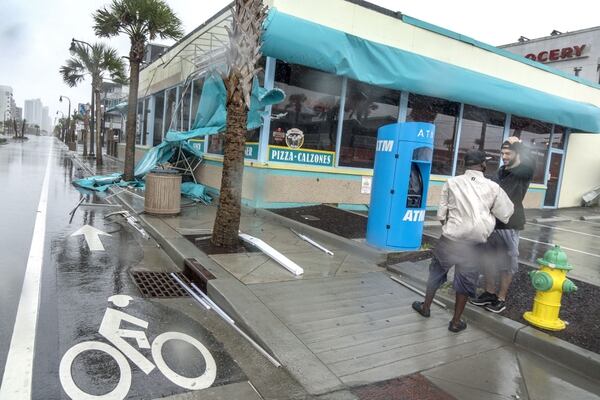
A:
(541, 280)
(555, 258)
(568, 286)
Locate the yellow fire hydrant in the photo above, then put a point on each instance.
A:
(550, 282)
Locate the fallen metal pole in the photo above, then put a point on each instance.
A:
(190, 291)
(131, 220)
(418, 291)
(218, 309)
(115, 194)
(273, 253)
(229, 320)
(77, 206)
(309, 240)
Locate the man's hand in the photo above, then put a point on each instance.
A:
(513, 140)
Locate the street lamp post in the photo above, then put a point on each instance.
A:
(92, 126)
(67, 136)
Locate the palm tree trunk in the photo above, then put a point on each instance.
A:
(227, 221)
(98, 124)
(134, 68)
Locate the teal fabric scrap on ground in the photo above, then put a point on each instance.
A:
(195, 191)
(303, 42)
(98, 183)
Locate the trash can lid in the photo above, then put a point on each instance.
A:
(164, 171)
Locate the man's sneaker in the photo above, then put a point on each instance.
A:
(496, 307)
(484, 299)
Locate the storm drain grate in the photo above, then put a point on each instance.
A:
(159, 284)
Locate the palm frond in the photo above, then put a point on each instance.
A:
(106, 21)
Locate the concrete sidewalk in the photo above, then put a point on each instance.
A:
(345, 323)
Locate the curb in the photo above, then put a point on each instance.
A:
(542, 344)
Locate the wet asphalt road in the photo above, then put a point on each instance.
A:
(77, 283)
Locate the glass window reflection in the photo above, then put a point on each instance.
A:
(444, 115)
(481, 129)
(536, 135)
(311, 105)
(366, 109)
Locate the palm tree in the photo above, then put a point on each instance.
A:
(244, 54)
(141, 20)
(96, 61)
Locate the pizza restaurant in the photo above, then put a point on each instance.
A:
(348, 68)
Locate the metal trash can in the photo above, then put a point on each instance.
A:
(163, 192)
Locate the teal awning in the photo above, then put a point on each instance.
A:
(303, 42)
(121, 107)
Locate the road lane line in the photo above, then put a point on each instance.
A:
(18, 371)
(562, 247)
(564, 230)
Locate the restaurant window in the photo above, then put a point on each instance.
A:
(311, 105)
(159, 103)
(536, 136)
(139, 122)
(559, 137)
(444, 115)
(196, 92)
(366, 109)
(481, 129)
(183, 108)
(146, 127)
(171, 102)
(215, 143)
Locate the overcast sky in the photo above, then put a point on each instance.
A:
(35, 34)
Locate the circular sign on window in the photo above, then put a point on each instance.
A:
(294, 138)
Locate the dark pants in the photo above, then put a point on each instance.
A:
(466, 257)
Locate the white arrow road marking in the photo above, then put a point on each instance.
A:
(18, 371)
(92, 237)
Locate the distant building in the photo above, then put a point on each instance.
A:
(576, 53)
(46, 124)
(6, 99)
(114, 97)
(33, 111)
(19, 113)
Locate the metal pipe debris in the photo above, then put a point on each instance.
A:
(131, 220)
(197, 292)
(190, 291)
(309, 240)
(272, 253)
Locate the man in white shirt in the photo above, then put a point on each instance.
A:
(469, 206)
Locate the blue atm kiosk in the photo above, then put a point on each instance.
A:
(399, 188)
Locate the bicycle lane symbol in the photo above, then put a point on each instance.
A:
(121, 350)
